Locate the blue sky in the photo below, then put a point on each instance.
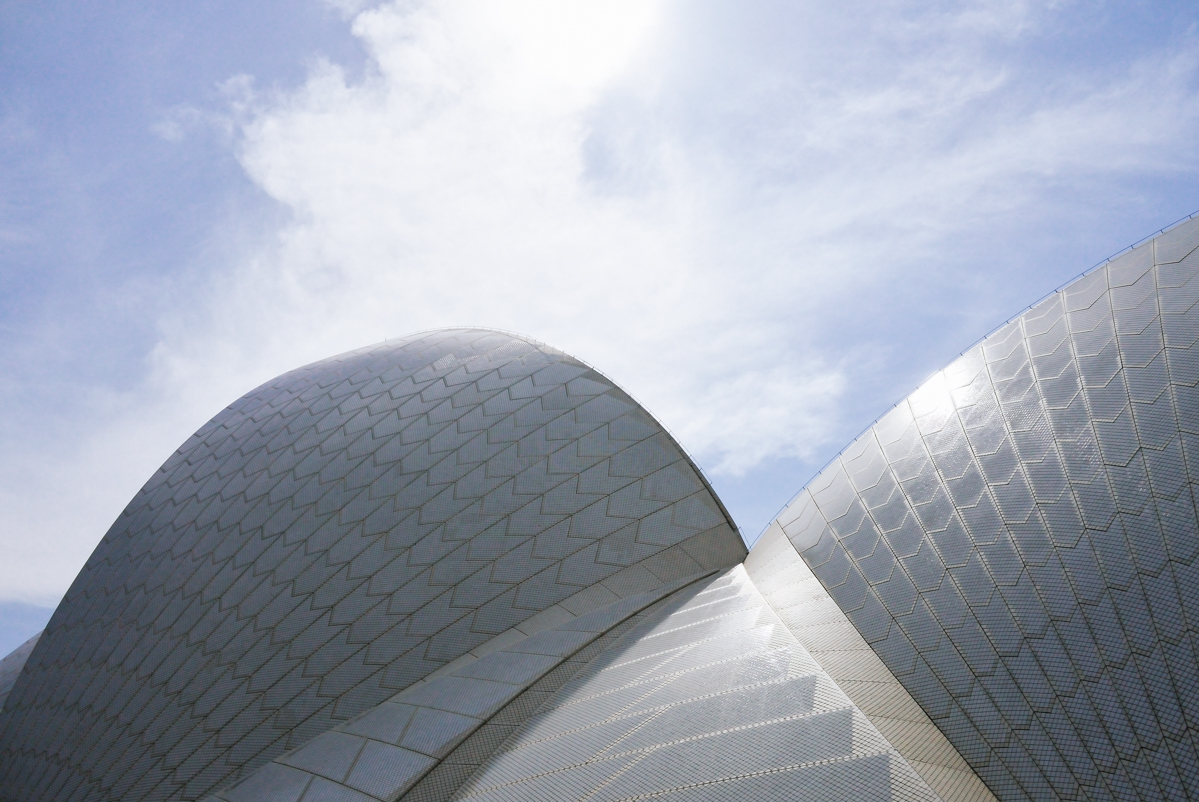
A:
(768, 221)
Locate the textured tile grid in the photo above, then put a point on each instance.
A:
(1017, 539)
(710, 698)
(811, 615)
(334, 536)
(382, 753)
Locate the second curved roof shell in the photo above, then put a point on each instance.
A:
(1018, 540)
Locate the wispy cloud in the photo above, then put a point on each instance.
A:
(727, 210)
(554, 168)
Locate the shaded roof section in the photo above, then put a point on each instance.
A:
(451, 716)
(335, 536)
(1018, 539)
(708, 697)
(811, 615)
(11, 665)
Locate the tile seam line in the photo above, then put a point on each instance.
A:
(1049, 294)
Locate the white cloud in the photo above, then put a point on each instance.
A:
(453, 186)
(695, 198)
(544, 167)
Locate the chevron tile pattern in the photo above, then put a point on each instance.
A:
(335, 536)
(1017, 540)
(811, 615)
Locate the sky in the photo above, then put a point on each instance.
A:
(768, 221)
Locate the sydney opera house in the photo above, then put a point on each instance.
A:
(464, 565)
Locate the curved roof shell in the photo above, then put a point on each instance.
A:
(333, 537)
(1018, 539)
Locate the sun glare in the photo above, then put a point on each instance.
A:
(578, 44)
